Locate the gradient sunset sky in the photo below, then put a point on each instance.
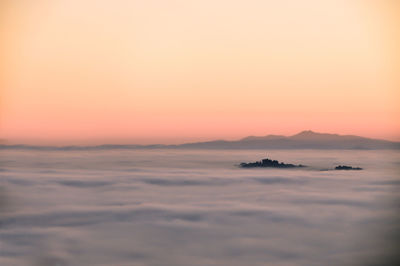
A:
(102, 71)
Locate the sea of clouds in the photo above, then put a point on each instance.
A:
(196, 207)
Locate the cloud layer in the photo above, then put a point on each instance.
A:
(197, 208)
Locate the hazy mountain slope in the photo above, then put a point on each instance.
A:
(302, 140)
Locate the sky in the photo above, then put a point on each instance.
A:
(97, 71)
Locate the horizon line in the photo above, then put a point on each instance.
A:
(105, 144)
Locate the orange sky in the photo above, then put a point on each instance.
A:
(99, 71)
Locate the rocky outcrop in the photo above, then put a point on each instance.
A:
(269, 163)
(345, 167)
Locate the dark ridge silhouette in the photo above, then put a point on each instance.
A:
(269, 163)
(345, 167)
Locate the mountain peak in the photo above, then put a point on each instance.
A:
(308, 133)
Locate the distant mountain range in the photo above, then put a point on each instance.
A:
(303, 140)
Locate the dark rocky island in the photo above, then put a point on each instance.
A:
(345, 167)
(269, 163)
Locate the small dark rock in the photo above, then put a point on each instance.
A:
(345, 167)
